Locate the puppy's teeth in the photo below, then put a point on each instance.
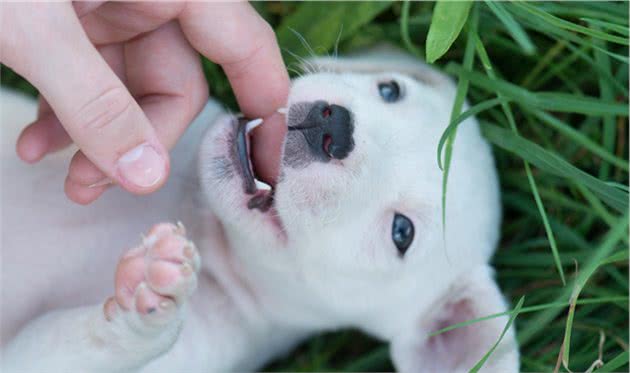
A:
(252, 124)
(283, 110)
(262, 185)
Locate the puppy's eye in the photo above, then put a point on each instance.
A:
(389, 91)
(402, 233)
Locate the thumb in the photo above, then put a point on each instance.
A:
(92, 104)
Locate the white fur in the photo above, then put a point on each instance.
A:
(262, 290)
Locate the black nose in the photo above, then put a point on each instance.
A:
(328, 130)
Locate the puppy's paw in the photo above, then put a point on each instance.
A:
(154, 280)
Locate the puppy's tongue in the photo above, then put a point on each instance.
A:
(266, 148)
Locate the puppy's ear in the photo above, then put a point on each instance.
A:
(382, 58)
(474, 295)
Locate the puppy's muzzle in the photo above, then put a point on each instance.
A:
(327, 129)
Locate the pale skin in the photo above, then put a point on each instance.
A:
(124, 80)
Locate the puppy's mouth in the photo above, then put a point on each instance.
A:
(261, 192)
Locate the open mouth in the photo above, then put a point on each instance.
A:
(261, 192)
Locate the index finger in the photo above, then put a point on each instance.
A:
(236, 37)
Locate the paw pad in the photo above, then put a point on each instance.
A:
(155, 278)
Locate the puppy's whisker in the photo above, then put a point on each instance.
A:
(304, 63)
(336, 50)
(304, 42)
(295, 71)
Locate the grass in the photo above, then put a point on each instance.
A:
(549, 83)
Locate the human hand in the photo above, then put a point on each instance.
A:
(124, 80)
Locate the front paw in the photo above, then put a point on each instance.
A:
(154, 280)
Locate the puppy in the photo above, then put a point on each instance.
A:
(351, 235)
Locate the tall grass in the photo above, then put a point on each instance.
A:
(549, 84)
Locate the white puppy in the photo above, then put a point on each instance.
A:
(351, 236)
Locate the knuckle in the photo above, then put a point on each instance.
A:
(264, 38)
(240, 67)
(103, 110)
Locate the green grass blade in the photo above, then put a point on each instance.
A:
(480, 107)
(404, 30)
(563, 24)
(575, 104)
(545, 220)
(617, 56)
(581, 139)
(616, 363)
(566, 343)
(619, 186)
(373, 361)
(598, 256)
(485, 59)
(460, 97)
(514, 28)
(606, 93)
(579, 285)
(513, 315)
(530, 309)
(447, 22)
(612, 12)
(596, 205)
(544, 61)
(621, 29)
(552, 163)
(621, 256)
(554, 101)
(603, 73)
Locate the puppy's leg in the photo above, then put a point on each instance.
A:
(218, 337)
(141, 322)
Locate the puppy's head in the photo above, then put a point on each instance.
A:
(358, 205)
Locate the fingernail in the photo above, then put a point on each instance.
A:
(142, 166)
(166, 304)
(102, 182)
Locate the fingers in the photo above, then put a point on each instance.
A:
(46, 134)
(93, 105)
(245, 46)
(41, 137)
(165, 75)
(85, 182)
(115, 22)
(84, 7)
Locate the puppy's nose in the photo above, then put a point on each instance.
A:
(328, 130)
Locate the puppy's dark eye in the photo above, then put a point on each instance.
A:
(402, 233)
(389, 91)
